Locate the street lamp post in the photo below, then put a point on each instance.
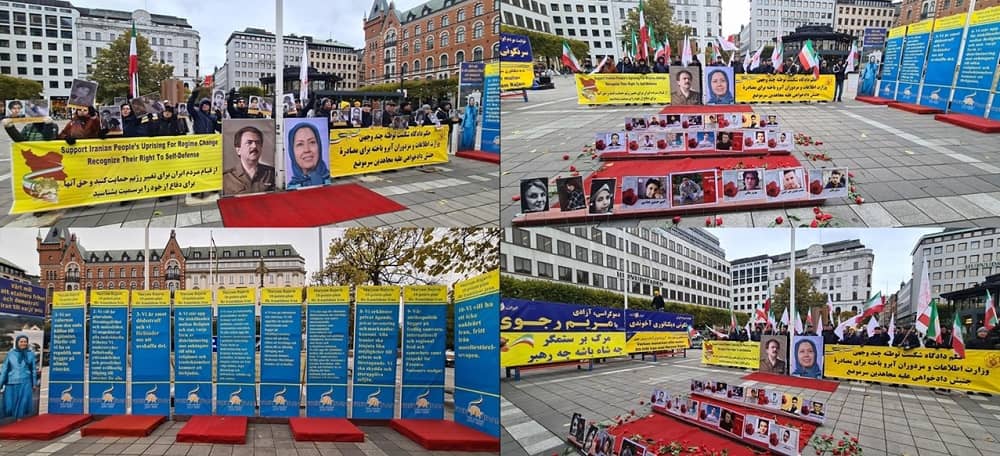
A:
(261, 271)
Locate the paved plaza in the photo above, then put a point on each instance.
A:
(461, 192)
(536, 410)
(910, 169)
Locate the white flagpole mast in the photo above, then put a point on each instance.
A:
(279, 87)
(145, 257)
(791, 288)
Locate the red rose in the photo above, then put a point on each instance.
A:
(629, 197)
(572, 168)
(763, 123)
(816, 187)
(729, 394)
(684, 408)
(805, 410)
(515, 198)
(730, 189)
(814, 224)
(718, 222)
(748, 429)
(708, 222)
(826, 217)
(772, 143)
(652, 398)
(663, 123)
(748, 142)
(600, 144)
(784, 400)
(779, 220)
(692, 143)
(684, 124)
(702, 415)
(859, 200)
(723, 123)
(772, 189)
(634, 145)
(628, 126)
(816, 208)
(677, 219)
(661, 144)
(565, 156)
(773, 439)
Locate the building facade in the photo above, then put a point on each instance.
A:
(751, 282)
(220, 77)
(250, 55)
(842, 270)
(770, 19)
(38, 41)
(911, 11)
(13, 272)
(956, 260)
(334, 57)
(527, 14)
(429, 41)
(239, 266)
(855, 16)
(173, 40)
(687, 266)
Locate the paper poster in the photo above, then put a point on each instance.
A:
(620, 88)
(365, 150)
(602, 196)
(151, 352)
(82, 94)
(692, 121)
(784, 440)
(774, 354)
(23, 111)
(280, 350)
(477, 310)
(693, 188)
(648, 331)
(490, 132)
(647, 142)
(425, 312)
(742, 184)
(307, 143)
(570, 191)
(784, 183)
(632, 448)
(685, 85)
(676, 141)
(731, 422)
(911, 62)
(236, 390)
(534, 195)
(702, 141)
(756, 428)
(193, 352)
(107, 352)
(720, 86)
(779, 140)
(710, 414)
(729, 140)
(66, 356)
(644, 193)
(376, 324)
(673, 121)
(610, 142)
(327, 316)
(979, 62)
(829, 183)
(577, 429)
(768, 88)
(755, 140)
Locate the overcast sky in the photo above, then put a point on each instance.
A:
(734, 14)
(891, 247)
(215, 20)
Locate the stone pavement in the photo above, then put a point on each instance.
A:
(536, 410)
(455, 194)
(911, 169)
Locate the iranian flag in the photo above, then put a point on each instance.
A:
(133, 66)
(666, 49)
(761, 314)
(873, 306)
(809, 58)
(651, 45)
(661, 52)
(732, 318)
(755, 60)
(892, 329)
(849, 323)
(304, 76)
(930, 322)
(784, 317)
(777, 62)
(691, 331)
(851, 57)
(798, 325)
(990, 320)
(957, 343)
(686, 52)
(728, 44)
(568, 59)
(924, 301)
(809, 318)
(635, 46)
(643, 34)
(746, 62)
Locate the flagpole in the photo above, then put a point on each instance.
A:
(279, 87)
(791, 290)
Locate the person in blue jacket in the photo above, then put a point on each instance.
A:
(201, 115)
(18, 379)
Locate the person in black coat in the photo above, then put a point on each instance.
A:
(829, 337)
(388, 113)
(981, 341)
(236, 106)
(657, 300)
(839, 76)
(641, 67)
(168, 124)
(878, 339)
(625, 66)
(133, 126)
(202, 119)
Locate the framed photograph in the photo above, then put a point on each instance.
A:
(605, 444)
(784, 440)
(614, 141)
(755, 140)
(82, 93)
(735, 392)
(648, 142)
(660, 398)
(756, 428)
(720, 86)
(732, 422)
(773, 398)
(729, 120)
(694, 121)
(685, 85)
(779, 140)
(644, 193)
(253, 108)
(534, 195)
(356, 117)
(570, 191)
(711, 121)
(784, 183)
(673, 120)
(690, 409)
(807, 357)
(182, 110)
(656, 121)
(692, 188)
(577, 427)
(773, 354)
(743, 184)
(770, 120)
(247, 150)
(602, 196)
(814, 410)
(266, 106)
(590, 438)
(219, 100)
(111, 120)
(710, 414)
(637, 122)
(829, 183)
(791, 403)
(676, 141)
(704, 140)
(308, 152)
(750, 120)
(632, 448)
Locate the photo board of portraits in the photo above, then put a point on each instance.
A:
(111, 120)
(534, 195)
(644, 193)
(602, 196)
(829, 183)
(247, 156)
(23, 111)
(807, 356)
(774, 354)
(743, 185)
(647, 142)
(755, 140)
(685, 85)
(729, 140)
(784, 183)
(82, 94)
(570, 191)
(692, 188)
(676, 141)
(779, 140)
(614, 141)
(307, 143)
(720, 86)
(784, 440)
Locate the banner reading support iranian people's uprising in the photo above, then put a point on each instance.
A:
(477, 392)
(649, 331)
(280, 350)
(376, 323)
(327, 315)
(890, 62)
(364, 150)
(22, 313)
(193, 352)
(979, 63)
(108, 355)
(236, 392)
(49, 175)
(489, 139)
(425, 329)
(615, 88)
(759, 88)
(930, 368)
(516, 68)
(151, 352)
(744, 355)
(66, 353)
(537, 332)
(911, 64)
(942, 57)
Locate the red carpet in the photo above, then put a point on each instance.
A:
(445, 435)
(971, 122)
(699, 109)
(914, 108)
(123, 426)
(214, 429)
(664, 430)
(42, 427)
(874, 100)
(795, 382)
(301, 208)
(479, 155)
(325, 430)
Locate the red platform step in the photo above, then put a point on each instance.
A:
(325, 430)
(874, 100)
(914, 108)
(971, 122)
(702, 109)
(42, 427)
(828, 386)
(445, 435)
(479, 155)
(123, 426)
(214, 429)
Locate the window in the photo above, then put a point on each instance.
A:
(544, 269)
(477, 54)
(478, 9)
(565, 274)
(522, 265)
(563, 248)
(582, 277)
(444, 20)
(444, 39)
(460, 16)
(460, 35)
(430, 42)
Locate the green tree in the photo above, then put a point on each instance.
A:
(111, 68)
(806, 295)
(17, 88)
(658, 14)
(548, 45)
(419, 89)
(251, 91)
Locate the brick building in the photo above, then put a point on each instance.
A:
(430, 40)
(911, 11)
(64, 264)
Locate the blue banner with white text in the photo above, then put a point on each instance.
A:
(515, 48)
(911, 62)
(108, 343)
(425, 312)
(524, 315)
(890, 61)
(151, 352)
(327, 317)
(193, 352)
(477, 353)
(490, 137)
(280, 350)
(236, 392)
(376, 324)
(66, 353)
(979, 63)
(942, 59)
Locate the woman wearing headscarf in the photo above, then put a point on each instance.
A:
(305, 153)
(85, 124)
(805, 360)
(18, 379)
(719, 90)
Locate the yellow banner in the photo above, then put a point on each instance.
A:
(193, 298)
(758, 88)
(745, 355)
(328, 295)
(979, 371)
(516, 75)
(150, 298)
(425, 294)
(236, 297)
(72, 298)
(378, 294)
(614, 88)
(281, 295)
(919, 28)
(648, 342)
(477, 286)
(951, 22)
(49, 175)
(109, 298)
(897, 32)
(985, 16)
(533, 348)
(364, 150)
